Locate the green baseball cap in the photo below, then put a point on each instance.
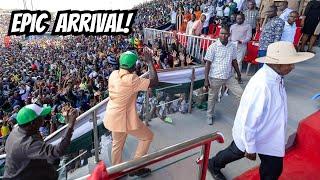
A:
(31, 112)
(127, 60)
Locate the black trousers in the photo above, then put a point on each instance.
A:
(270, 167)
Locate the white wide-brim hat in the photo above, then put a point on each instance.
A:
(282, 52)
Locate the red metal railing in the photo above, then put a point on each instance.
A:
(125, 168)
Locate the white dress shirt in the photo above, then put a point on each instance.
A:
(285, 14)
(289, 32)
(261, 119)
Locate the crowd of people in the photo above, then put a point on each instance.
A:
(73, 71)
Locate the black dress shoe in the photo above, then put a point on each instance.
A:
(216, 174)
(141, 172)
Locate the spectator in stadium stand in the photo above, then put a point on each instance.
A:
(244, 5)
(211, 8)
(122, 118)
(233, 7)
(190, 24)
(290, 27)
(203, 5)
(226, 11)
(241, 6)
(5, 131)
(221, 58)
(272, 31)
(260, 122)
(197, 12)
(198, 25)
(285, 11)
(205, 28)
(186, 19)
(173, 19)
(240, 33)
(219, 9)
(311, 25)
(28, 156)
(232, 20)
(252, 16)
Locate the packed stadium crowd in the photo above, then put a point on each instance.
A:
(73, 71)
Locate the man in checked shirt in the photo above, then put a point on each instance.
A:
(220, 58)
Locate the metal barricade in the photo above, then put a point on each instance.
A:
(196, 46)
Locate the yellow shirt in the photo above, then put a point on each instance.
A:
(121, 114)
(5, 131)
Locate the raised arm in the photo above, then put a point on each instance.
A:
(153, 76)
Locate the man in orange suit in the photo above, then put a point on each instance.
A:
(121, 115)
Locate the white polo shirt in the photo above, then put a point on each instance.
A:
(261, 119)
(289, 32)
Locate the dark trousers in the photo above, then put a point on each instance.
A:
(205, 30)
(173, 27)
(270, 167)
(254, 32)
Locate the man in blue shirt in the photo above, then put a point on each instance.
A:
(271, 32)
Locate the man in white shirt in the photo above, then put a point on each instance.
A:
(205, 29)
(189, 32)
(211, 8)
(290, 27)
(283, 7)
(261, 119)
(190, 24)
(173, 19)
(241, 34)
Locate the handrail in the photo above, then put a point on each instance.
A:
(124, 168)
(77, 157)
(180, 68)
(178, 33)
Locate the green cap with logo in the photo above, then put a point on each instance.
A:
(127, 60)
(31, 112)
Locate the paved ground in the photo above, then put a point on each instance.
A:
(301, 84)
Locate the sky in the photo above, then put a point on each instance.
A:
(56, 5)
